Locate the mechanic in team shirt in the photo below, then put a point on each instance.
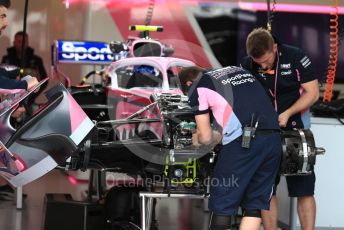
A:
(288, 77)
(234, 101)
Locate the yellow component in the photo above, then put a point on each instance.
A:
(190, 174)
(84, 79)
(145, 28)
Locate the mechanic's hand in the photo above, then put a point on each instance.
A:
(18, 113)
(105, 76)
(195, 140)
(283, 119)
(217, 136)
(31, 82)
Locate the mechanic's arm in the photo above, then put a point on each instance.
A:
(205, 134)
(7, 83)
(308, 98)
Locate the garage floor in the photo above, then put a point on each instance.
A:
(172, 214)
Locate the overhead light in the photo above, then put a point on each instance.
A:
(66, 3)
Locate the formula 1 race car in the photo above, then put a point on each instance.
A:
(138, 105)
(149, 137)
(146, 112)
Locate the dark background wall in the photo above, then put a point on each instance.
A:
(227, 34)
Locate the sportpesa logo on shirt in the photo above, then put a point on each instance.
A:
(239, 79)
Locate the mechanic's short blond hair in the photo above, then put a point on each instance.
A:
(258, 42)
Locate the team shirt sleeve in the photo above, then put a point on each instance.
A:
(7, 83)
(199, 102)
(305, 68)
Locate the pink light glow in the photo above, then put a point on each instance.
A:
(297, 8)
(260, 6)
(20, 166)
(20, 163)
(72, 180)
(127, 2)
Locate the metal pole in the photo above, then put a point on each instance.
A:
(143, 211)
(149, 208)
(24, 35)
(19, 197)
(292, 213)
(268, 23)
(268, 10)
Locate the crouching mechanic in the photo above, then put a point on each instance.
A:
(236, 102)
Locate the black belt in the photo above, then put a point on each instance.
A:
(262, 132)
(266, 131)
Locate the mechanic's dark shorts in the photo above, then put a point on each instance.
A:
(245, 177)
(298, 186)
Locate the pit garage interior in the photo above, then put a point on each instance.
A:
(86, 48)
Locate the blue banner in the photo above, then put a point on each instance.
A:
(85, 52)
